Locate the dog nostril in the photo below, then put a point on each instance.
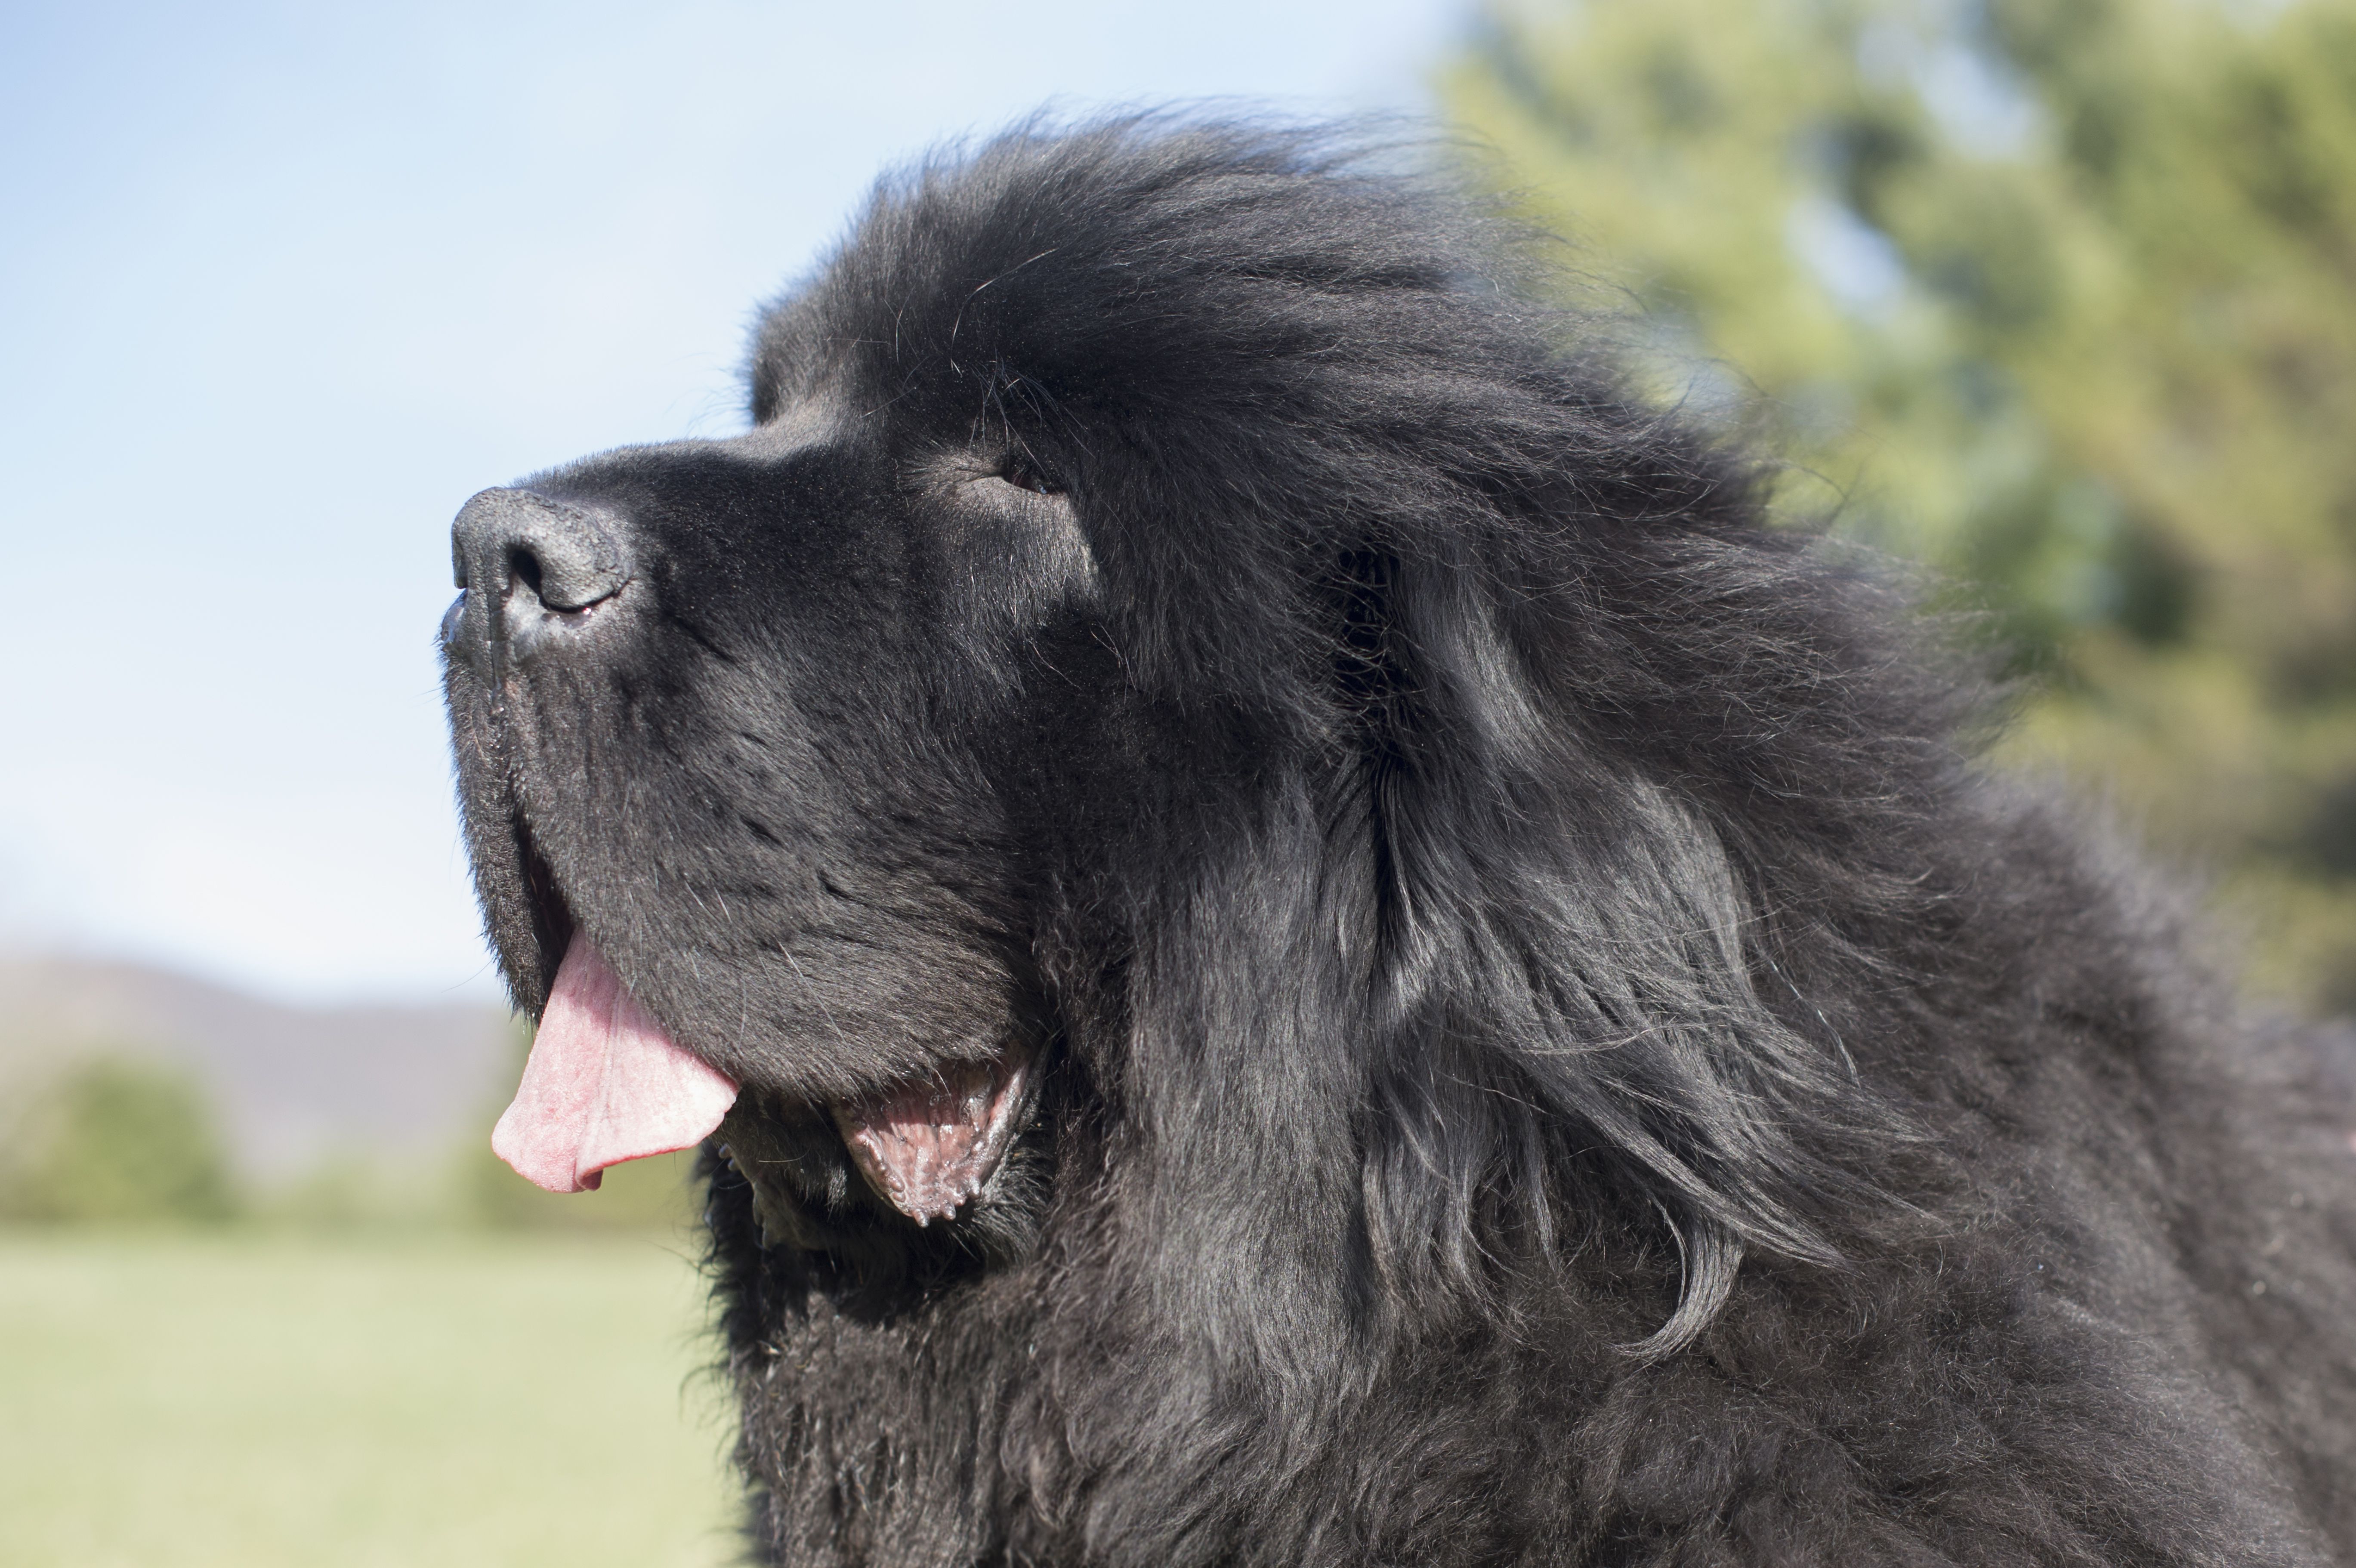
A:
(524, 567)
(564, 558)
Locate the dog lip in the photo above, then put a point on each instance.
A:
(927, 1146)
(548, 914)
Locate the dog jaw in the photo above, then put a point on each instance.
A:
(606, 1084)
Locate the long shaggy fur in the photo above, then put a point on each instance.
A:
(1552, 1052)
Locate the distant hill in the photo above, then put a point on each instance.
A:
(291, 1084)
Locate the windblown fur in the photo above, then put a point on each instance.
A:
(1547, 1050)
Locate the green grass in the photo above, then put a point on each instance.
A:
(255, 1399)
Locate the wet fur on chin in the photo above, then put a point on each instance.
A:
(1551, 1054)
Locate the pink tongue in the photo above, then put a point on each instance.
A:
(604, 1084)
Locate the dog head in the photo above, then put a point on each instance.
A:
(1194, 696)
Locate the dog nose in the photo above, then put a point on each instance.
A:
(528, 568)
(527, 553)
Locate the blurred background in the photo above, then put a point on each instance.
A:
(2056, 297)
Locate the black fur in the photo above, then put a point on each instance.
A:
(1553, 1054)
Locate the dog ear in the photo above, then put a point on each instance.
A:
(1561, 952)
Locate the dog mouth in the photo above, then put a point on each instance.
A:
(929, 1147)
(604, 1083)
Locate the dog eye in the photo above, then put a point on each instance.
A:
(1019, 470)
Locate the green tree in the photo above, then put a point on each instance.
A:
(117, 1141)
(2057, 296)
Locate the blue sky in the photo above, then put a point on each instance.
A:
(282, 285)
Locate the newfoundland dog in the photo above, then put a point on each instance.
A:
(1295, 939)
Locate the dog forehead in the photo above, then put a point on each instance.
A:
(949, 294)
(927, 352)
(815, 421)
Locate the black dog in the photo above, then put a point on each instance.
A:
(1316, 949)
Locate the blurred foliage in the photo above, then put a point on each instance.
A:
(2057, 296)
(116, 1138)
(116, 1141)
(349, 1192)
